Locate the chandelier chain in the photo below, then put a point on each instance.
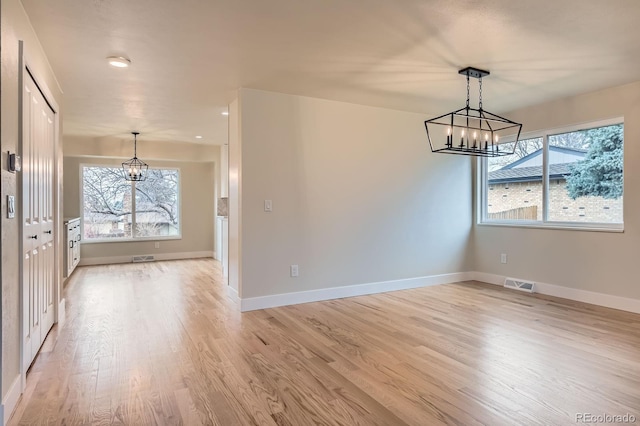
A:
(480, 94)
(467, 90)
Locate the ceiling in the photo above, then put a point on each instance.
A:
(189, 56)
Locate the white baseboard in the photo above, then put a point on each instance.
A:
(272, 301)
(586, 296)
(62, 312)
(110, 260)
(10, 401)
(233, 294)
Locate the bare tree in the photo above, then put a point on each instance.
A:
(108, 203)
(522, 149)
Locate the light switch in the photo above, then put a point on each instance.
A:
(15, 164)
(267, 206)
(11, 206)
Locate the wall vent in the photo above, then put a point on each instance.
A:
(522, 285)
(137, 259)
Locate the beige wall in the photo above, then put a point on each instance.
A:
(197, 192)
(15, 26)
(594, 261)
(122, 147)
(357, 196)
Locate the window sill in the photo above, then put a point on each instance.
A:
(130, 240)
(564, 226)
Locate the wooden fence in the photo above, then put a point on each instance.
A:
(521, 213)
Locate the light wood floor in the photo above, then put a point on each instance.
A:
(161, 343)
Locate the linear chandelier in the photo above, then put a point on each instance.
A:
(135, 169)
(473, 131)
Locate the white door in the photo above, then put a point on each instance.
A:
(38, 277)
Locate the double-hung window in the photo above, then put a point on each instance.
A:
(114, 209)
(569, 178)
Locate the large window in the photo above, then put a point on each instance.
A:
(570, 178)
(116, 209)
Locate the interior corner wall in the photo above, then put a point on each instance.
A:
(357, 196)
(15, 27)
(600, 262)
(234, 194)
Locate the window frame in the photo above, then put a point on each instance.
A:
(133, 238)
(482, 190)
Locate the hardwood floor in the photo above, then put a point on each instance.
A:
(161, 343)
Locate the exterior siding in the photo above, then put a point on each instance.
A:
(503, 197)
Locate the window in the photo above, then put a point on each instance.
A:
(570, 178)
(516, 183)
(116, 209)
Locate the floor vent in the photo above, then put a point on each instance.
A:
(521, 285)
(137, 259)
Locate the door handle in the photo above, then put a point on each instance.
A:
(47, 232)
(33, 237)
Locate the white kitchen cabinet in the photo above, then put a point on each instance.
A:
(72, 238)
(222, 244)
(225, 247)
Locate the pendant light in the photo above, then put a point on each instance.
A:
(135, 169)
(473, 131)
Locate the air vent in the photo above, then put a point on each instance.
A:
(522, 285)
(137, 259)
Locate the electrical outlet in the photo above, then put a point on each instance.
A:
(294, 270)
(157, 245)
(503, 258)
(268, 206)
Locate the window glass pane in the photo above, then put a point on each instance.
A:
(585, 175)
(107, 203)
(157, 212)
(514, 183)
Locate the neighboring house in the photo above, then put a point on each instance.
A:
(149, 224)
(515, 191)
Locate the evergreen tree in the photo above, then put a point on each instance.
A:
(600, 172)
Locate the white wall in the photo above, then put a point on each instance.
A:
(357, 196)
(15, 27)
(224, 170)
(593, 261)
(235, 196)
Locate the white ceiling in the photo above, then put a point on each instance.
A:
(189, 56)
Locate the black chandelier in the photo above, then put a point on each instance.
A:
(135, 169)
(473, 131)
